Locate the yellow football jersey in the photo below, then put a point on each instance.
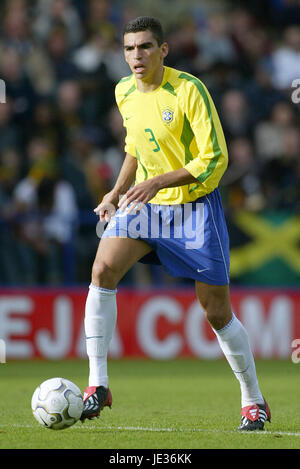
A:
(172, 127)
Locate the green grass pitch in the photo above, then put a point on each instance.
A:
(180, 404)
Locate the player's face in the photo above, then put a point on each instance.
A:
(143, 54)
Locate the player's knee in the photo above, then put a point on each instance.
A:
(103, 276)
(217, 311)
(215, 301)
(218, 318)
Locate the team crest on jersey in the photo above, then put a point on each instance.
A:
(167, 115)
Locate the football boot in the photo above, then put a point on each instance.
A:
(254, 417)
(95, 398)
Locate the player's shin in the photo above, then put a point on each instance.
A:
(234, 342)
(99, 323)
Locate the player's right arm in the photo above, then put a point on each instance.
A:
(108, 206)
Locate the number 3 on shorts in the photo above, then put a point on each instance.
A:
(153, 139)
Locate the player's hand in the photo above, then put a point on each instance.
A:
(139, 195)
(107, 207)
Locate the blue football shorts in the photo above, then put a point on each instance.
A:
(189, 240)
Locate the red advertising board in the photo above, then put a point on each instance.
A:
(160, 324)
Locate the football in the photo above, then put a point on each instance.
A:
(57, 403)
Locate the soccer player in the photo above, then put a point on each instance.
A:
(165, 206)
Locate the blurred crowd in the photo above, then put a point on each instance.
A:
(62, 138)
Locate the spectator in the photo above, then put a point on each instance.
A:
(18, 87)
(114, 154)
(268, 135)
(99, 51)
(285, 61)
(10, 173)
(214, 42)
(97, 74)
(242, 177)
(281, 176)
(242, 22)
(44, 212)
(69, 105)
(9, 131)
(102, 18)
(46, 124)
(17, 35)
(86, 155)
(51, 13)
(184, 50)
(235, 114)
(58, 49)
(261, 94)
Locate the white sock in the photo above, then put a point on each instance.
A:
(99, 323)
(234, 342)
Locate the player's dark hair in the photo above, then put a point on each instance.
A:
(145, 23)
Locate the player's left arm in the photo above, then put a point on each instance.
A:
(143, 192)
(210, 157)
